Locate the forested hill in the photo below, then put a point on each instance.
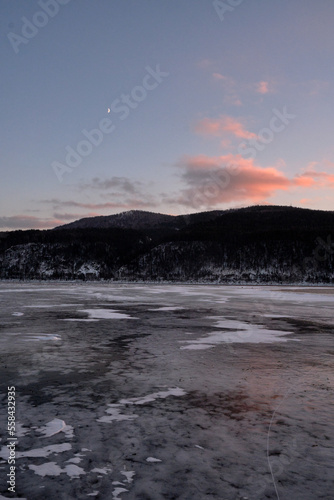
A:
(259, 244)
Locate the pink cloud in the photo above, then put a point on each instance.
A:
(316, 179)
(211, 181)
(222, 126)
(262, 87)
(218, 76)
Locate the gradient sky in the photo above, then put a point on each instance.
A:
(212, 105)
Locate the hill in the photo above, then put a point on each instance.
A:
(258, 244)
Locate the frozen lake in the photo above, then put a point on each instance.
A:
(192, 392)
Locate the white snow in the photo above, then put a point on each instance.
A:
(240, 332)
(176, 391)
(47, 469)
(251, 336)
(104, 470)
(128, 474)
(115, 414)
(152, 459)
(46, 336)
(17, 314)
(37, 452)
(74, 460)
(106, 314)
(118, 491)
(52, 469)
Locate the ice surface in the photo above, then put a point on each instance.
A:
(156, 421)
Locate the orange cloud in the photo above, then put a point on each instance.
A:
(315, 179)
(211, 181)
(222, 126)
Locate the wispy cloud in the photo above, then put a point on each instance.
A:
(225, 125)
(123, 184)
(262, 87)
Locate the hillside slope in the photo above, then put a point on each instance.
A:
(256, 244)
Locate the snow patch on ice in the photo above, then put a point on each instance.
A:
(37, 452)
(46, 336)
(152, 459)
(176, 391)
(21, 431)
(104, 470)
(52, 469)
(118, 491)
(240, 332)
(17, 314)
(115, 414)
(106, 314)
(128, 474)
(74, 460)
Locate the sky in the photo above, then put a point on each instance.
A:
(170, 106)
